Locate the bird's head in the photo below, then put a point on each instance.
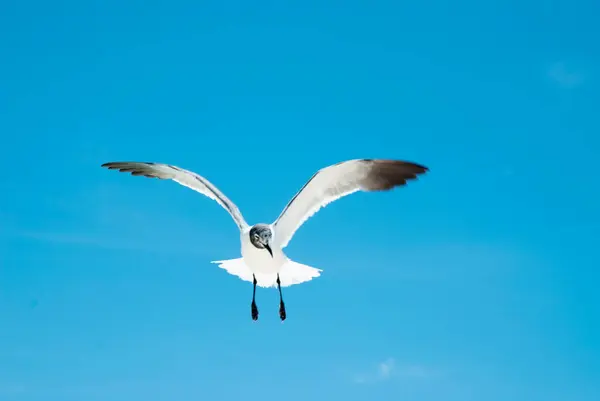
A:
(261, 236)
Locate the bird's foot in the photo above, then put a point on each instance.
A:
(282, 314)
(254, 311)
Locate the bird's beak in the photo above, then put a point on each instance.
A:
(268, 248)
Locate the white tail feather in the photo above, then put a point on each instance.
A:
(291, 273)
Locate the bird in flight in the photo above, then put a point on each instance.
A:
(263, 261)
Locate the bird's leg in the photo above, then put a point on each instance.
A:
(282, 314)
(254, 308)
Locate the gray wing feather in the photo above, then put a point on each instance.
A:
(338, 180)
(183, 177)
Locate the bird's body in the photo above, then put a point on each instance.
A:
(257, 259)
(258, 264)
(263, 260)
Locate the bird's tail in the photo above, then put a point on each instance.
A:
(291, 273)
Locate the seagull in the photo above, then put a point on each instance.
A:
(263, 261)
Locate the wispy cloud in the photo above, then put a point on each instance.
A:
(112, 242)
(565, 76)
(385, 368)
(10, 389)
(92, 218)
(96, 389)
(389, 369)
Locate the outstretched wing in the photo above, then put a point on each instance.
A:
(183, 177)
(338, 180)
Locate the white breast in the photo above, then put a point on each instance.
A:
(259, 260)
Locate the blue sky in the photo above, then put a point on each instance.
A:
(478, 282)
